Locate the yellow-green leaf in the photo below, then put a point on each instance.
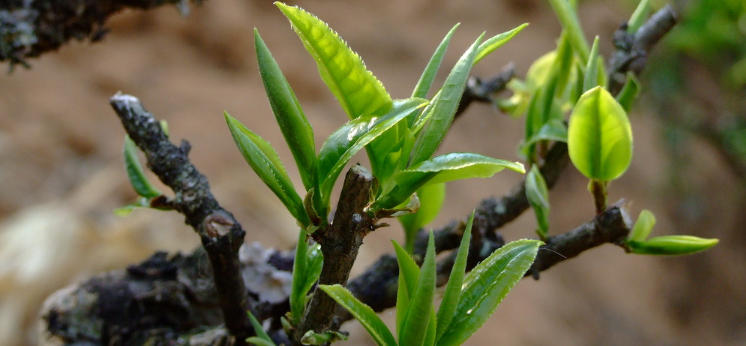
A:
(357, 90)
(643, 226)
(671, 245)
(426, 80)
(497, 41)
(599, 136)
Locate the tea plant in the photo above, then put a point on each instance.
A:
(400, 137)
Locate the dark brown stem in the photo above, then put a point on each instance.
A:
(611, 226)
(31, 28)
(377, 286)
(482, 91)
(339, 244)
(219, 231)
(632, 49)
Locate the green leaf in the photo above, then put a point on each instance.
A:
(363, 313)
(261, 338)
(453, 289)
(431, 200)
(440, 169)
(432, 325)
(356, 89)
(135, 173)
(538, 196)
(441, 111)
(353, 136)
(414, 329)
(591, 70)
(263, 159)
(126, 210)
(293, 123)
(389, 152)
(259, 341)
(643, 226)
(629, 92)
(541, 109)
(563, 63)
(324, 338)
(569, 20)
(497, 41)
(426, 80)
(671, 245)
(639, 16)
(486, 286)
(409, 274)
(306, 270)
(599, 136)
(553, 130)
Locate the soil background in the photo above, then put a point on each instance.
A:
(61, 171)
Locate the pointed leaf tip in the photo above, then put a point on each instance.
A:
(358, 91)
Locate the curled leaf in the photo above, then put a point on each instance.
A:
(671, 245)
(643, 226)
(135, 173)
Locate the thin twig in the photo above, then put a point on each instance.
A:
(377, 286)
(339, 244)
(31, 28)
(219, 231)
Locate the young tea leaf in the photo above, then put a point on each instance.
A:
(643, 226)
(455, 281)
(553, 130)
(569, 20)
(639, 16)
(599, 137)
(440, 169)
(363, 313)
(426, 80)
(486, 286)
(264, 160)
(293, 123)
(495, 42)
(629, 92)
(440, 113)
(353, 136)
(591, 70)
(414, 329)
(538, 196)
(261, 338)
(135, 173)
(431, 200)
(671, 245)
(306, 271)
(356, 89)
(259, 341)
(409, 275)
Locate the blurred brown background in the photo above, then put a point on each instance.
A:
(61, 170)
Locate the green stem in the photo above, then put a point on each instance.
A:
(598, 190)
